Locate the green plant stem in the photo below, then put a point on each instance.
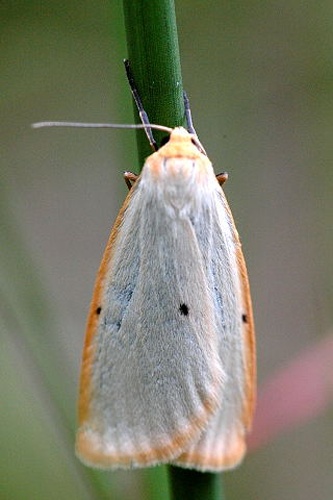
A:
(153, 53)
(194, 485)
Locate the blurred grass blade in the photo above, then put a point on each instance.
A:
(29, 322)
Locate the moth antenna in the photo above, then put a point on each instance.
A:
(102, 125)
(189, 121)
(137, 99)
(188, 115)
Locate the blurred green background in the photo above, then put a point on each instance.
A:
(260, 79)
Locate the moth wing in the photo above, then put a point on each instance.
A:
(222, 445)
(151, 375)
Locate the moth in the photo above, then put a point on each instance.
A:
(168, 369)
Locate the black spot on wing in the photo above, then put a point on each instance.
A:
(183, 308)
(244, 318)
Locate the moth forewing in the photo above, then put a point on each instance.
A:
(168, 363)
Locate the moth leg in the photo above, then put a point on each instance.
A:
(222, 178)
(130, 179)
